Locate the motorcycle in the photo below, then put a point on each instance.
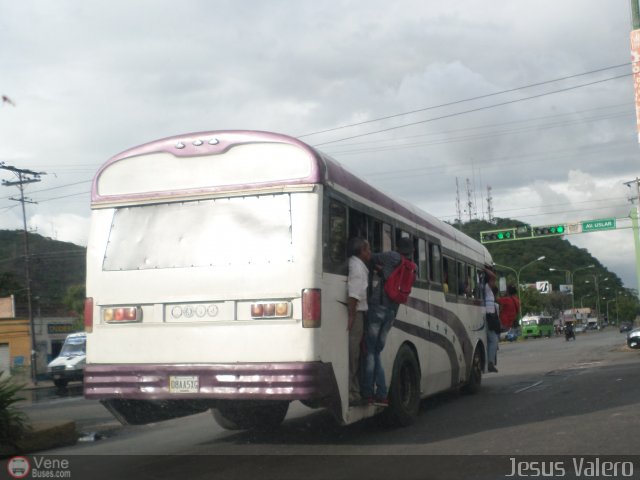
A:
(569, 333)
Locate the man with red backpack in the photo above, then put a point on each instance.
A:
(382, 312)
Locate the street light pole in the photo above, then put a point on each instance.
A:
(571, 276)
(595, 281)
(583, 297)
(608, 302)
(517, 272)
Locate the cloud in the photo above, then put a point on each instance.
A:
(64, 227)
(90, 81)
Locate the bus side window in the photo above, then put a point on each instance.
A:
(435, 264)
(449, 279)
(401, 234)
(386, 237)
(422, 259)
(335, 244)
(358, 224)
(480, 284)
(463, 283)
(471, 277)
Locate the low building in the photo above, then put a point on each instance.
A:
(15, 340)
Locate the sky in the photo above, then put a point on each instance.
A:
(532, 99)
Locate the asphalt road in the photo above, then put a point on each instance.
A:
(550, 397)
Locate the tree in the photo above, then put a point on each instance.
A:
(532, 301)
(628, 308)
(74, 301)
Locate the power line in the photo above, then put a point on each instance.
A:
(446, 132)
(55, 188)
(467, 100)
(478, 109)
(487, 107)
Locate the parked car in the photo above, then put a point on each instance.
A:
(625, 326)
(70, 362)
(579, 328)
(633, 338)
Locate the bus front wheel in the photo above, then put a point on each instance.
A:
(404, 393)
(250, 415)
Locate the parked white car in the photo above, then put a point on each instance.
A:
(69, 364)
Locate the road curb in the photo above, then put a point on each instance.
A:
(43, 435)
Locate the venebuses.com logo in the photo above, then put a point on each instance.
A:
(18, 467)
(38, 467)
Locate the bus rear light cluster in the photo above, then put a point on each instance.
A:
(271, 310)
(311, 311)
(122, 314)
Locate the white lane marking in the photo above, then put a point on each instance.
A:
(530, 386)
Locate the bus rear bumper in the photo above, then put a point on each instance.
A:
(313, 382)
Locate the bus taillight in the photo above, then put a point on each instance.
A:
(311, 312)
(88, 315)
(121, 314)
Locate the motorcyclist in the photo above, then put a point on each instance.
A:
(568, 331)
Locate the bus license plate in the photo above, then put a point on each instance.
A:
(184, 384)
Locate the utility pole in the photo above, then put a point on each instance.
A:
(635, 68)
(25, 177)
(635, 215)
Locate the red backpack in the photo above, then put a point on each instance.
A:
(398, 285)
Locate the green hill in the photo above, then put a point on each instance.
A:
(54, 266)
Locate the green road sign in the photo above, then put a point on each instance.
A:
(602, 224)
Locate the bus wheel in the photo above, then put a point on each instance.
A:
(475, 375)
(60, 382)
(404, 393)
(249, 415)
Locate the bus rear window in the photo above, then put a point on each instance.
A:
(227, 231)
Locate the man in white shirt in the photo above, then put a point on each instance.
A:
(357, 285)
(493, 320)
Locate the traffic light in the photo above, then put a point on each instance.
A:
(549, 230)
(498, 235)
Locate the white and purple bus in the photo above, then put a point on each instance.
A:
(216, 279)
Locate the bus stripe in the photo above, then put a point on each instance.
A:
(452, 321)
(437, 339)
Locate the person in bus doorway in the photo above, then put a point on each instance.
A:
(493, 320)
(382, 312)
(509, 308)
(357, 286)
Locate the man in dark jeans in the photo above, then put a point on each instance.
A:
(380, 317)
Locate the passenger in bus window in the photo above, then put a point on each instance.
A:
(357, 286)
(493, 319)
(382, 312)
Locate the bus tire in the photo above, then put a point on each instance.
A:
(475, 375)
(250, 416)
(404, 393)
(60, 382)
